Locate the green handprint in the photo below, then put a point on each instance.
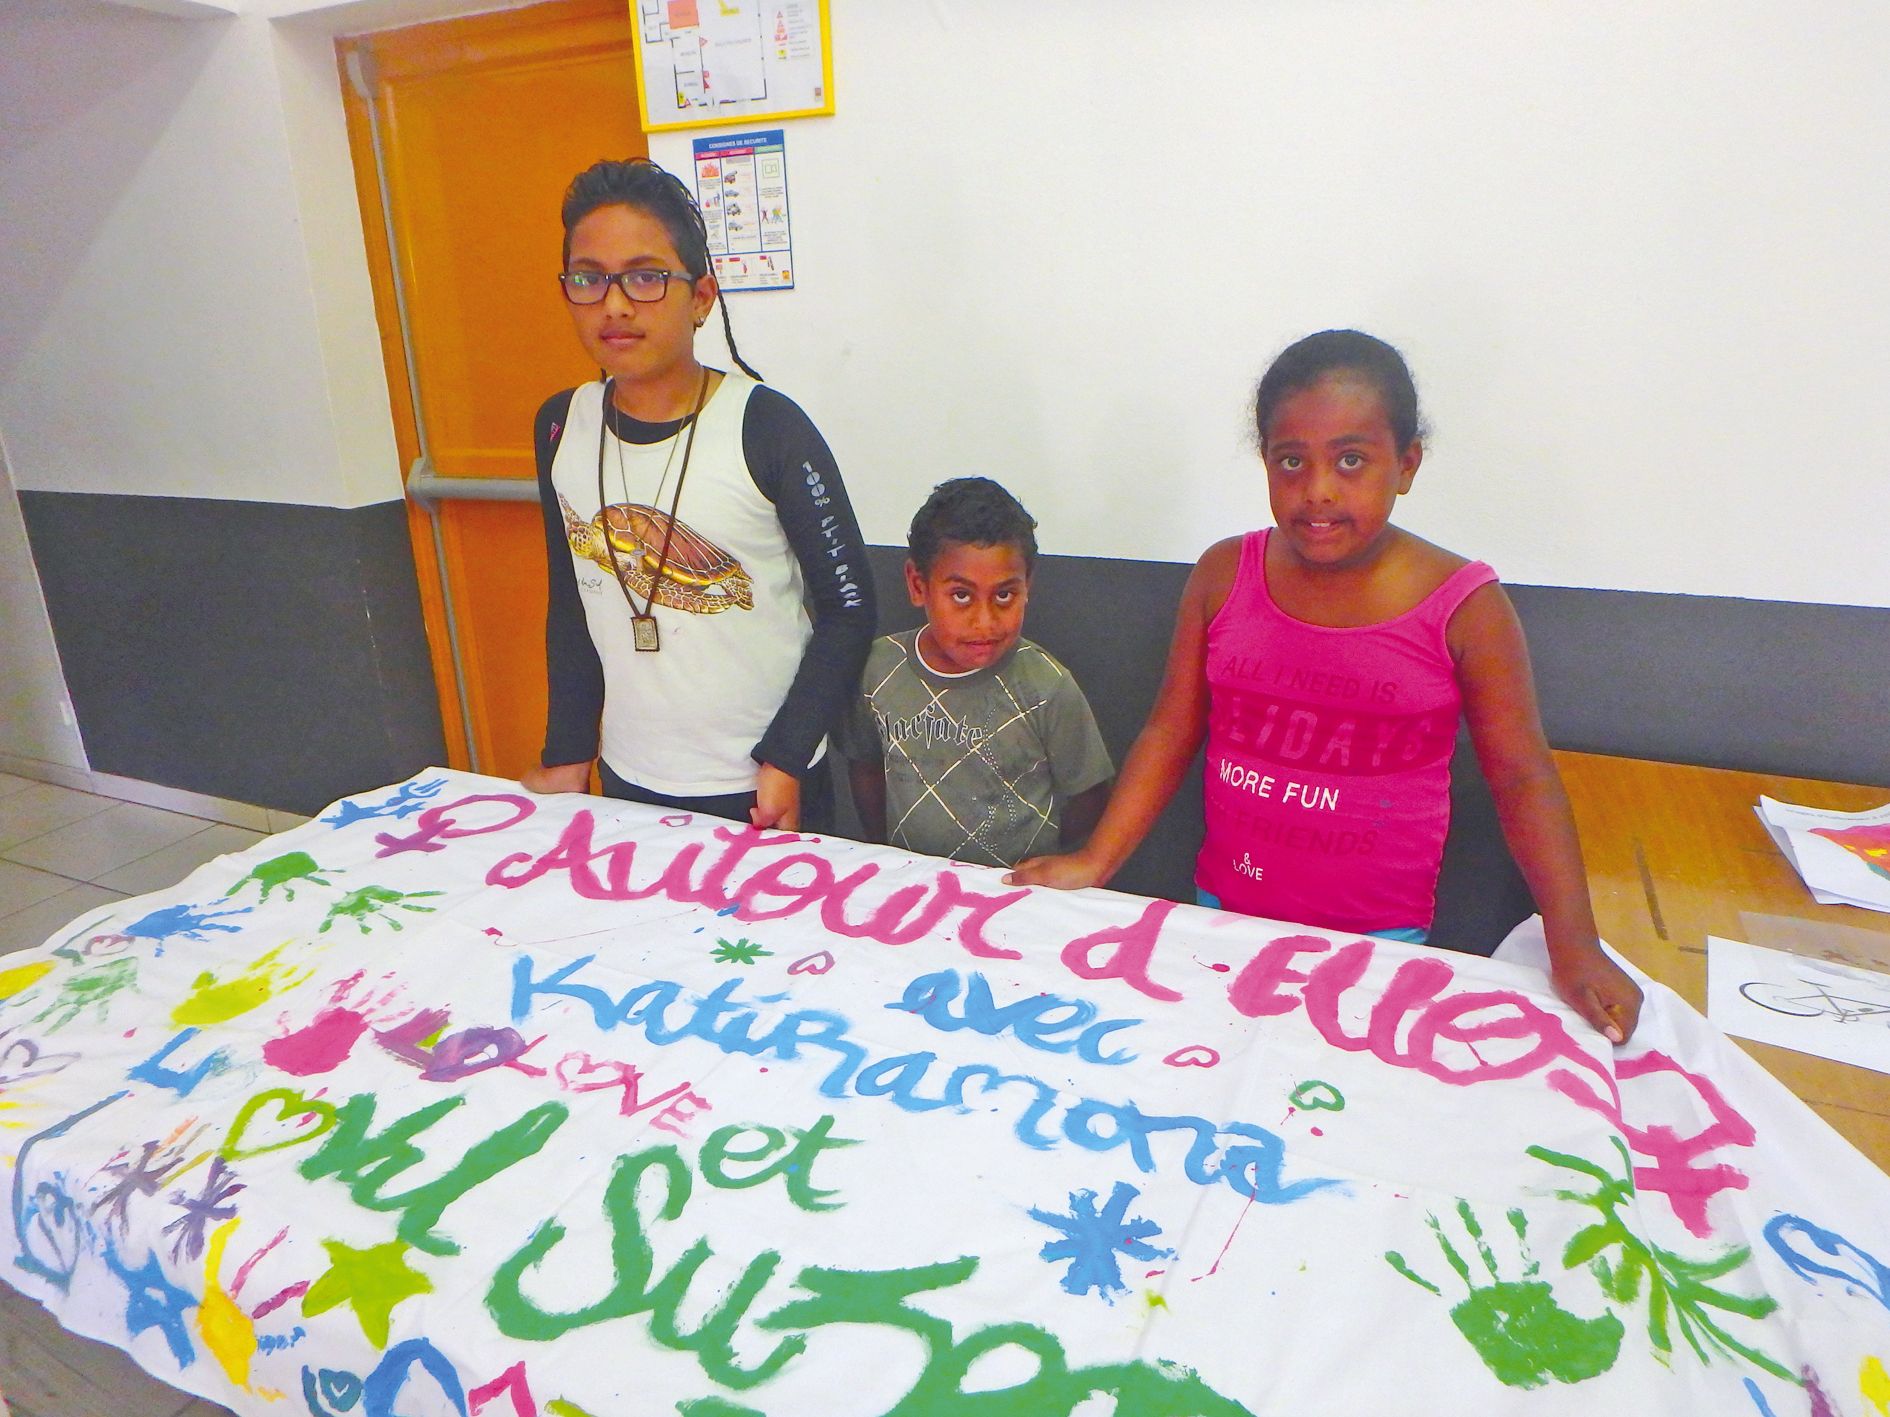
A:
(1518, 1330)
(279, 873)
(371, 901)
(1676, 1286)
(217, 1001)
(91, 989)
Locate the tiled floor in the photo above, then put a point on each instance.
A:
(63, 853)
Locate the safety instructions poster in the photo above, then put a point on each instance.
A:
(706, 62)
(741, 186)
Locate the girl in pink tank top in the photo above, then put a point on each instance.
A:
(1326, 663)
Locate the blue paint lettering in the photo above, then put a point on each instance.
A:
(1035, 1021)
(1250, 1166)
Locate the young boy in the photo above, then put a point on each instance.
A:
(968, 741)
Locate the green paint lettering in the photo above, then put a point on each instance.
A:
(794, 1164)
(633, 1262)
(1053, 1390)
(366, 1163)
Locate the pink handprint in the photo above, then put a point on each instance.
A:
(324, 1042)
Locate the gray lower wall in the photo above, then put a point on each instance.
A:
(1762, 685)
(275, 654)
(265, 652)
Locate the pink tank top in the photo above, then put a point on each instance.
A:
(1327, 786)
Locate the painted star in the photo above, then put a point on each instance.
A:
(219, 1185)
(373, 1281)
(154, 1302)
(1093, 1238)
(135, 1178)
(737, 952)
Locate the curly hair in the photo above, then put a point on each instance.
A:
(970, 511)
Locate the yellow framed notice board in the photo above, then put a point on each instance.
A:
(702, 63)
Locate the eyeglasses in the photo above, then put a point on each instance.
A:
(646, 285)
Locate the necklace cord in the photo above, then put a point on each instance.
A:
(675, 501)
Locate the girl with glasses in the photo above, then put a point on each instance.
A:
(710, 603)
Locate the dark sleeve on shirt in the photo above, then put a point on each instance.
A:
(794, 469)
(575, 675)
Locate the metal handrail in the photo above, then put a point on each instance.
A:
(427, 488)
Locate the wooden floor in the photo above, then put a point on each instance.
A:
(47, 1372)
(1675, 854)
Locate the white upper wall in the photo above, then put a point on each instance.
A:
(188, 310)
(1634, 252)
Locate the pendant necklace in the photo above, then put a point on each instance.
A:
(643, 632)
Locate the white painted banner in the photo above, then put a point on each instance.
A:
(457, 1100)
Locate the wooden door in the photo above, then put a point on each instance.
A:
(480, 124)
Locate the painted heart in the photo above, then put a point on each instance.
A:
(817, 963)
(21, 1059)
(1195, 1055)
(1316, 1096)
(680, 819)
(339, 1390)
(580, 1072)
(296, 1119)
(50, 1232)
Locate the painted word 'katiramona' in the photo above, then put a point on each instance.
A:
(1459, 1037)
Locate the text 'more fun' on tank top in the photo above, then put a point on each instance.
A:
(1327, 782)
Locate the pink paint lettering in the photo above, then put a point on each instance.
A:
(1134, 948)
(775, 890)
(1414, 1023)
(579, 1072)
(676, 1116)
(436, 826)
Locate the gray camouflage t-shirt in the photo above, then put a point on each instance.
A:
(975, 763)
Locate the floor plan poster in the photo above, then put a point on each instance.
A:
(706, 62)
(741, 186)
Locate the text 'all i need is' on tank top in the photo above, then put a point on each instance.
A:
(1327, 784)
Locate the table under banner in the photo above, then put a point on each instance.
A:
(458, 1100)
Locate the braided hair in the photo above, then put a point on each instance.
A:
(640, 184)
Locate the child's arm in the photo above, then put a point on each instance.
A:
(1499, 700)
(857, 738)
(794, 469)
(1165, 746)
(1080, 815)
(565, 777)
(575, 674)
(868, 780)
